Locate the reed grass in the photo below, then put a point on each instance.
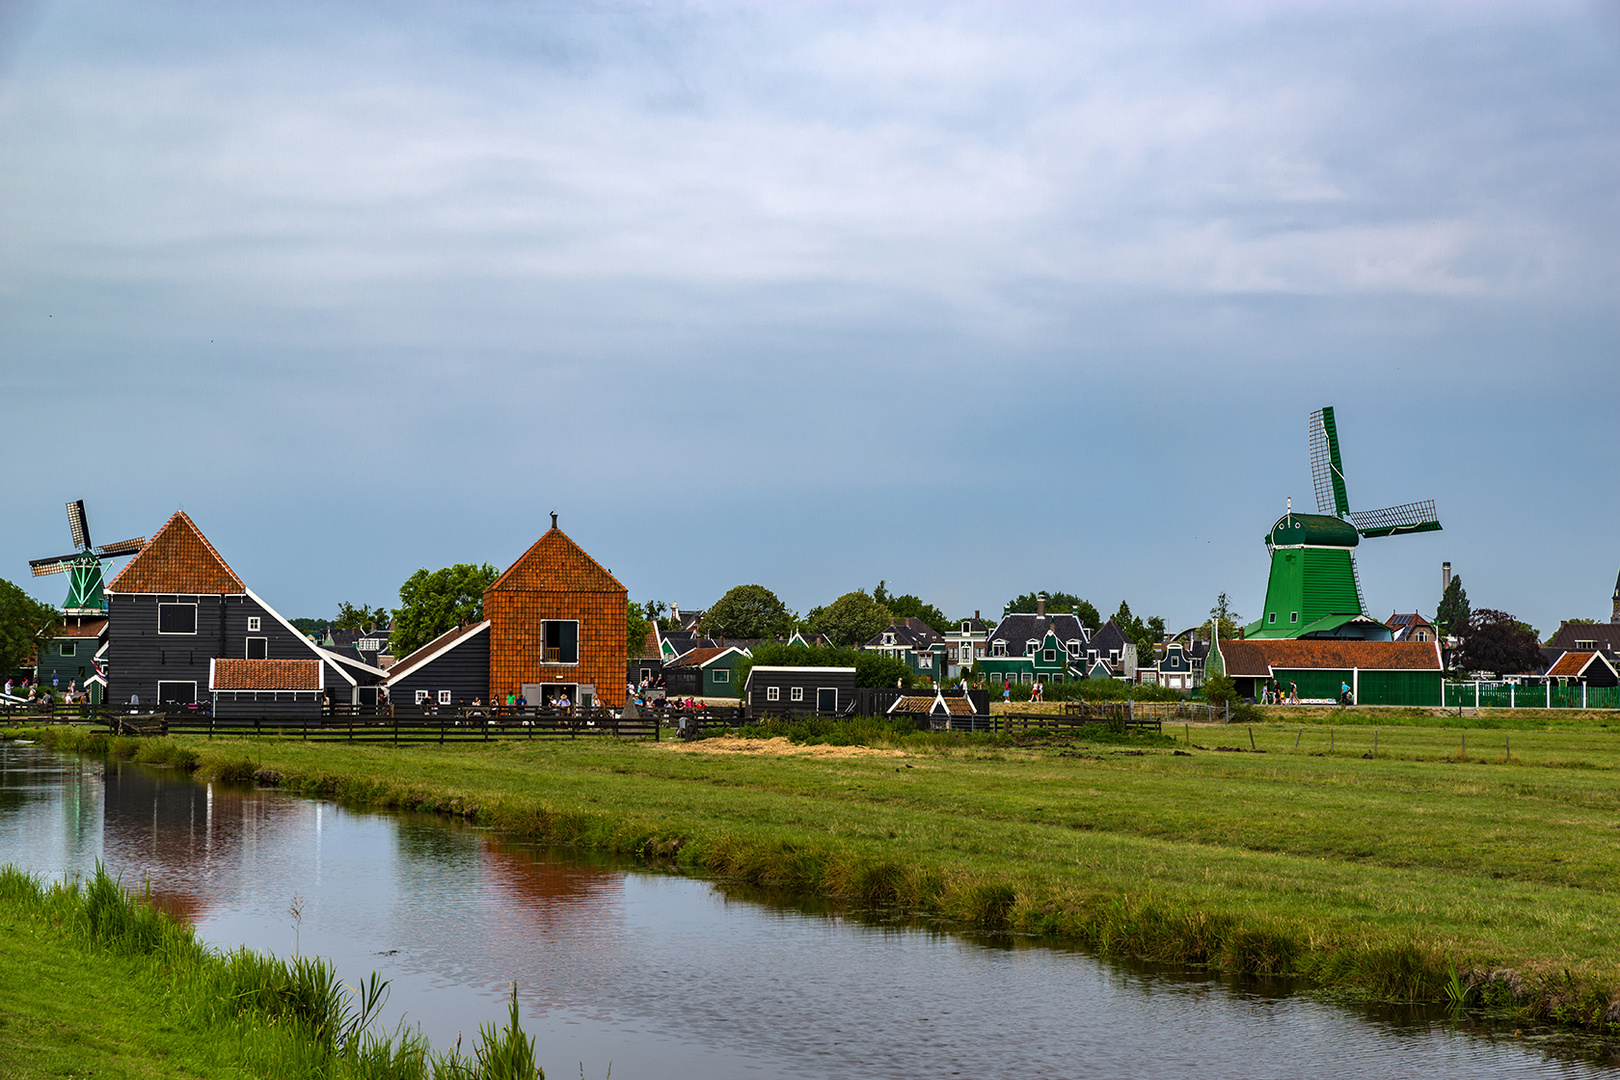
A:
(1308, 856)
(236, 1013)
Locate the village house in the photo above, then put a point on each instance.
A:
(1026, 648)
(1377, 672)
(914, 643)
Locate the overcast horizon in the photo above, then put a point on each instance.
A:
(973, 299)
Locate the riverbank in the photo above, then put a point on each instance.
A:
(97, 982)
(1408, 863)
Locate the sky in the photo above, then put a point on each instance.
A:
(973, 299)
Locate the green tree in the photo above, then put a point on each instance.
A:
(431, 602)
(23, 620)
(851, 620)
(353, 617)
(636, 626)
(1496, 641)
(1223, 618)
(1452, 614)
(318, 627)
(1145, 634)
(748, 611)
(908, 606)
(1057, 602)
(1220, 689)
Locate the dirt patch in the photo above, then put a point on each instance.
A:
(777, 747)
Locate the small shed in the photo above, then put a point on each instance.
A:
(1591, 668)
(266, 688)
(709, 672)
(452, 669)
(780, 691)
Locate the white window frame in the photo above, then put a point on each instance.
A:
(444, 697)
(1048, 656)
(247, 648)
(1073, 648)
(773, 693)
(925, 660)
(67, 648)
(253, 624)
(369, 644)
(178, 633)
(544, 659)
(423, 695)
(796, 694)
(998, 648)
(721, 675)
(189, 682)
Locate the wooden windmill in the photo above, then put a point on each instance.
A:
(1314, 589)
(84, 566)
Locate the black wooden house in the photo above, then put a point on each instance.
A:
(452, 669)
(177, 607)
(786, 691)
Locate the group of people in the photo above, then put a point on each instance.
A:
(1037, 690)
(33, 693)
(1272, 693)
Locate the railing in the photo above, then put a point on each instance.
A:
(1483, 695)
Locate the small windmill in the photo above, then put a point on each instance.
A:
(1314, 589)
(84, 566)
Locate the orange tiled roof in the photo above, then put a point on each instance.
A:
(179, 559)
(920, 705)
(1570, 665)
(1259, 658)
(89, 629)
(267, 675)
(699, 657)
(555, 564)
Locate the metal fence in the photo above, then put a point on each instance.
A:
(1483, 695)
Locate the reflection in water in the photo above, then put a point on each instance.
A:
(664, 976)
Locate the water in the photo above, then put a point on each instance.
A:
(667, 977)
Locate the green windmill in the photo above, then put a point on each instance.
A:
(1314, 590)
(84, 566)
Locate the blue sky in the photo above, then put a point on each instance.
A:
(975, 299)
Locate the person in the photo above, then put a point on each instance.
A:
(1293, 693)
(1344, 693)
(56, 680)
(8, 686)
(1006, 691)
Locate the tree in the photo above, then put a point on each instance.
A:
(1220, 689)
(1145, 634)
(1496, 641)
(318, 627)
(1452, 614)
(912, 607)
(351, 617)
(748, 611)
(23, 620)
(636, 628)
(1223, 618)
(1057, 602)
(851, 620)
(431, 602)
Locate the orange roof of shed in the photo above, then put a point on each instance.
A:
(1260, 658)
(179, 559)
(230, 674)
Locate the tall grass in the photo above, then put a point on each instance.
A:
(276, 1017)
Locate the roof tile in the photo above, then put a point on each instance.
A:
(179, 559)
(231, 674)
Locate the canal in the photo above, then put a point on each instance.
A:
(663, 976)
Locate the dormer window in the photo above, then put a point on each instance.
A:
(1030, 646)
(888, 639)
(967, 627)
(1074, 648)
(1587, 645)
(998, 648)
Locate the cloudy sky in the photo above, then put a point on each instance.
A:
(975, 299)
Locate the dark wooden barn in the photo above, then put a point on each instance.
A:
(452, 669)
(782, 691)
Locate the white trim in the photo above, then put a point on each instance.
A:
(195, 618)
(396, 673)
(253, 624)
(795, 693)
(774, 693)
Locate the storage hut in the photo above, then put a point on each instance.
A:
(705, 673)
(266, 688)
(452, 669)
(783, 691)
(1583, 668)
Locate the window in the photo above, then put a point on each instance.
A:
(1049, 656)
(888, 639)
(1293, 616)
(1113, 656)
(177, 693)
(258, 648)
(1271, 617)
(421, 696)
(998, 648)
(444, 697)
(925, 660)
(967, 627)
(177, 618)
(1074, 648)
(1030, 646)
(773, 693)
(1588, 645)
(1091, 654)
(68, 648)
(369, 644)
(561, 637)
(797, 693)
(721, 675)
(253, 624)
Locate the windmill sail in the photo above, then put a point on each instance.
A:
(122, 547)
(1327, 471)
(77, 525)
(59, 565)
(1407, 518)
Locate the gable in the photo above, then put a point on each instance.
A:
(555, 564)
(180, 560)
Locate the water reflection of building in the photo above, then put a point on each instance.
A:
(186, 839)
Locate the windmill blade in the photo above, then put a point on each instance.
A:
(59, 565)
(1327, 471)
(122, 547)
(77, 525)
(1407, 518)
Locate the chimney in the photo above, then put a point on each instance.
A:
(976, 615)
(554, 519)
(1243, 633)
(1445, 576)
(1040, 605)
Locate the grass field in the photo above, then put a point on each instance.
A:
(1403, 861)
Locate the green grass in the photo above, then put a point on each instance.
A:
(97, 982)
(1367, 873)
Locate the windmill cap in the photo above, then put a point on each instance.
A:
(1315, 530)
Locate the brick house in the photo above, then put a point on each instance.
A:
(557, 623)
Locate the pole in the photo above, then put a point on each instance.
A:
(1297, 737)
(1251, 736)
(1375, 742)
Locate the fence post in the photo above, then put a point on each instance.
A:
(1583, 694)
(1548, 685)
(1513, 702)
